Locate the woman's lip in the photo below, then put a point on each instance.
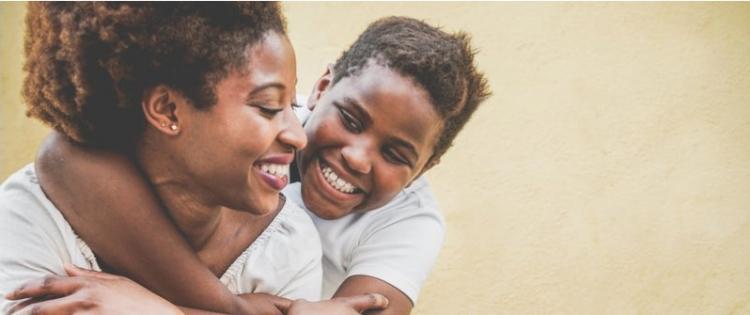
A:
(280, 158)
(277, 183)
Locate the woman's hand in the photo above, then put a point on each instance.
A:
(352, 305)
(88, 292)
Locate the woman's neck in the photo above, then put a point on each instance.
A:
(197, 218)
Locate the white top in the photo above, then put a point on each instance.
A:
(36, 240)
(397, 243)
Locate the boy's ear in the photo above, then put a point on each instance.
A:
(321, 87)
(160, 109)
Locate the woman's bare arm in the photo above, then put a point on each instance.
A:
(108, 202)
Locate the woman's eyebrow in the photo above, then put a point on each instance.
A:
(259, 88)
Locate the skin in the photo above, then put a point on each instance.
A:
(376, 130)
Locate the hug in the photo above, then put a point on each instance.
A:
(186, 176)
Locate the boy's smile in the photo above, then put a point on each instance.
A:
(369, 136)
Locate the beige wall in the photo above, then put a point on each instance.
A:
(609, 174)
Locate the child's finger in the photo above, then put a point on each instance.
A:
(50, 285)
(365, 302)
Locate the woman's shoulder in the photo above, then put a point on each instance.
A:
(288, 247)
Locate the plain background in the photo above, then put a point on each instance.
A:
(608, 174)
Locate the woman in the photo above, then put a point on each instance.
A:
(200, 97)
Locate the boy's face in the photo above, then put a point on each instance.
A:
(368, 136)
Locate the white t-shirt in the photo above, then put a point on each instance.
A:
(36, 240)
(397, 243)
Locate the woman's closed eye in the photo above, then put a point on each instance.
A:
(271, 111)
(268, 110)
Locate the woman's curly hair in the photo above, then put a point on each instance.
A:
(89, 64)
(439, 62)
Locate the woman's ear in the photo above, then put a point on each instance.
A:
(160, 109)
(321, 87)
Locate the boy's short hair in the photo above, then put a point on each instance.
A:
(89, 64)
(439, 62)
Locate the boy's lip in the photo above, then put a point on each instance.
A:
(337, 198)
(342, 174)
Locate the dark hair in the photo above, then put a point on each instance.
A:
(441, 63)
(88, 64)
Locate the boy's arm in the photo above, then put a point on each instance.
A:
(399, 303)
(109, 204)
(395, 253)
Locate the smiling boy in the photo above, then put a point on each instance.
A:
(384, 114)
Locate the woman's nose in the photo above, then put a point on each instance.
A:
(292, 133)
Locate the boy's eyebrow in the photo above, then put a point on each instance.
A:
(356, 106)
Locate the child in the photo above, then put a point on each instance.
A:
(385, 113)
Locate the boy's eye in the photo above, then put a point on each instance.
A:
(395, 157)
(350, 122)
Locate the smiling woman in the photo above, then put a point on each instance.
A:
(211, 130)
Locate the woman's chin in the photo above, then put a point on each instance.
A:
(265, 206)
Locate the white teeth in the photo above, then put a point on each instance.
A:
(338, 183)
(279, 170)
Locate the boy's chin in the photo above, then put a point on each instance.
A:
(328, 213)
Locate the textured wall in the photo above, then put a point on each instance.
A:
(609, 174)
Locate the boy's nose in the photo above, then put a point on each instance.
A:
(357, 158)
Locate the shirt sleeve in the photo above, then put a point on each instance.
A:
(27, 250)
(401, 252)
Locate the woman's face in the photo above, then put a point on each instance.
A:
(239, 150)
(369, 136)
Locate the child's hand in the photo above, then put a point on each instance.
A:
(90, 292)
(352, 305)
